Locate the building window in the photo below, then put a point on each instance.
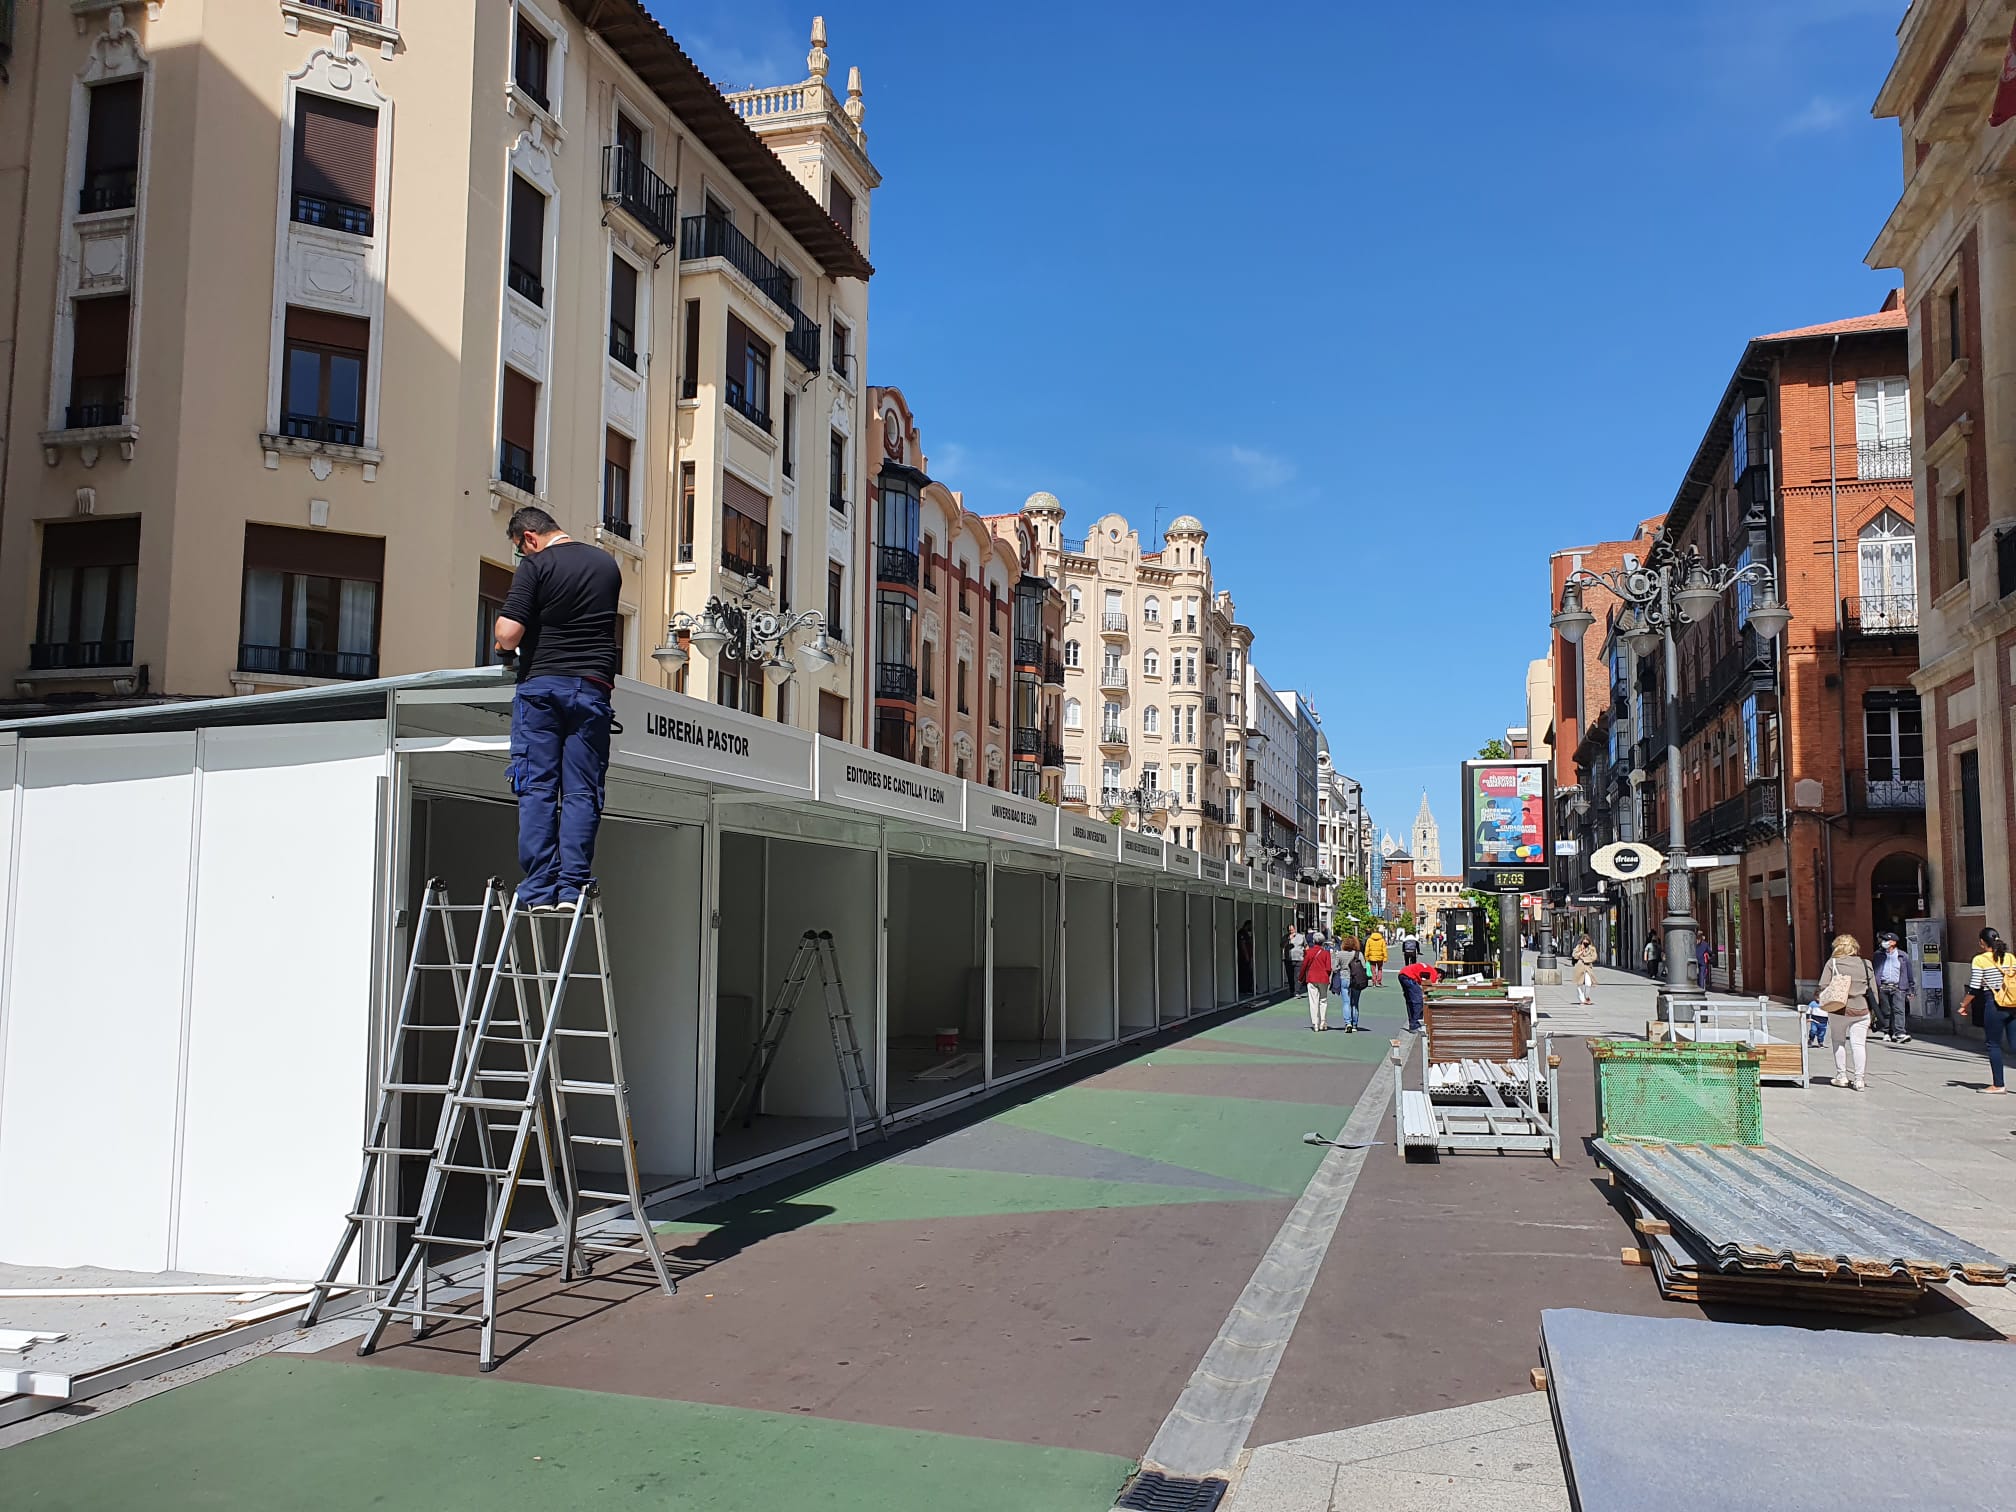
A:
(1151, 663)
(623, 312)
(1888, 573)
(686, 505)
(322, 384)
(1893, 735)
(895, 734)
(745, 528)
(748, 374)
(1151, 610)
(530, 63)
(493, 584)
(790, 437)
(832, 715)
(927, 686)
(1973, 881)
(959, 688)
(1963, 536)
(1882, 428)
(1151, 720)
(1956, 340)
(335, 164)
(784, 571)
(689, 371)
(895, 623)
(310, 605)
(843, 350)
(518, 432)
(1077, 603)
(1074, 714)
(1072, 654)
(527, 253)
(733, 690)
(927, 554)
(616, 484)
(112, 148)
(840, 205)
(89, 572)
(836, 601)
(994, 702)
(836, 472)
(98, 338)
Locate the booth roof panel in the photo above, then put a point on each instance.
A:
(350, 700)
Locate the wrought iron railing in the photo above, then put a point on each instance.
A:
(1111, 676)
(356, 10)
(514, 466)
(1112, 735)
(896, 680)
(1881, 614)
(1074, 792)
(333, 214)
(896, 564)
(111, 189)
(803, 342)
(1027, 742)
(66, 656)
(1113, 624)
(322, 428)
(620, 346)
(705, 236)
(1053, 754)
(1883, 459)
(92, 416)
(525, 282)
(1028, 651)
(1894, 793)
(628, 182)
(744, 404)
(758, 572)
(299, 661)
(1053, 673)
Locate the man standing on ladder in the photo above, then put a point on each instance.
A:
(560, 618)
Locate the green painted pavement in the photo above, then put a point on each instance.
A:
(320, 1436)
(888, 1192)
(1259, 1143)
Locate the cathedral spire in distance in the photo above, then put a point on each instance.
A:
(1427, 845)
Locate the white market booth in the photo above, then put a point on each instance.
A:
(207, 912)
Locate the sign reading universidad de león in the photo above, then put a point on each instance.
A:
(1003, 816)
(1142, 850)
(1089, 836)
(1507, 807)
(859, 779)
(669, 732)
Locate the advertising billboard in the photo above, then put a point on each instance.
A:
(1507, 819)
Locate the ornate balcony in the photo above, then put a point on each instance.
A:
(1881, 615)
(896, 564)
(1112, 735)
(646, 198)
(1113, 677)
(896, 680)
(69, 656)
(1113, 624)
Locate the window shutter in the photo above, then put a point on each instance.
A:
(335, 150)
(99, 337)
(344, 333)
(493, 582)
(528, 227)
(840, 203)
(315, 553)
(91, 543)
(738, 346)
(521, 409)
(745, 500)
(1896, 410)
(112, 140)
(619, 450)
(1868, 410)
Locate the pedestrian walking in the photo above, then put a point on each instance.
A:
(1316, 978)
(1702, 955)
(1894, 983)
(1585, 971)
(1410, 947)
(1415, 978)
(1848, 994)
(1375, 956)
(1650, 955)
(1298, 945)
(1352, 978)
(1991, 987)
(559, 616)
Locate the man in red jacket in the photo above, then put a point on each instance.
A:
(1316, 977)
(1414, 979)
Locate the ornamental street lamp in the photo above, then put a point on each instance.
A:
(1145, 801)
(1671, 589)
(738, 631)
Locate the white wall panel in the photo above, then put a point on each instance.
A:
(94, 1012)
(280, 995)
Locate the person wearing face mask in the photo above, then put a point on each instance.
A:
(1894, 984)
(1991, 988)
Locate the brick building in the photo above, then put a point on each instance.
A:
(1579, 673)
(1803, 765)
(1397, 875)
(1953, 233)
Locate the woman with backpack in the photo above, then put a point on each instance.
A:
(1352, 980)
(1848, 997)
(1991, 985)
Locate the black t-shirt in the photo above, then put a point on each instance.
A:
(565, 597)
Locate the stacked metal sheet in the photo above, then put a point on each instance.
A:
(1678, 1415)
(1757, 1208)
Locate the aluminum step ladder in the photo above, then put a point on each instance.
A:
(815, 952)
(513, 1082)
(403, 1104)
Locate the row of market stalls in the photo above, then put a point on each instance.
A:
(209, 905)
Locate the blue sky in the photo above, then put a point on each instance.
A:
(1396, 299)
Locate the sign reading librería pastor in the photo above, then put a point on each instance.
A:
(669, 732)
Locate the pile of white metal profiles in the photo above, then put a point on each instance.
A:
(1744, 1392)
(1488, 1083)
(273, 852)
(1756, 1225)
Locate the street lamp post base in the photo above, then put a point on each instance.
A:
(1546, 976)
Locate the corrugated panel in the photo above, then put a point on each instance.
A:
(1760, 1206)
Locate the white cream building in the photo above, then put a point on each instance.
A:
(310, 297)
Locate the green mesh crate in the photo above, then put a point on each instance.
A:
(1678, 1094)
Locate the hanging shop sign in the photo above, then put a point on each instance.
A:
(1627, 858)
(1567, 847)
(862, 780)
(1142, 850)
(1004, 816)
(667, 732)
(1088, 835)
(1506, 808)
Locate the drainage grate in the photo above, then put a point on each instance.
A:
(1153, 1491)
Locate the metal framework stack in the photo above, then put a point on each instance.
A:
(1487, 1083)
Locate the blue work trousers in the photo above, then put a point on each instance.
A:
(1417, 1001)
(559, 762)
